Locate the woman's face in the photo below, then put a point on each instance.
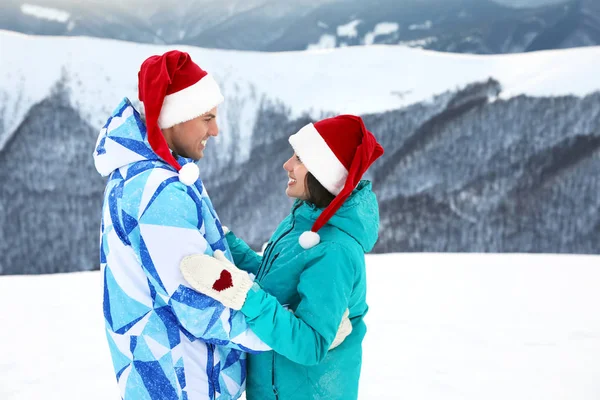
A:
(296, 171)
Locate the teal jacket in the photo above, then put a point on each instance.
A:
(318, 285)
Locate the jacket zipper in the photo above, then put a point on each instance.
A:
(261, 266)
(270, 251)
(268, 262)
(267, 270)
(262, 271)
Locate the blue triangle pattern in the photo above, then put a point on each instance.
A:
(154, 377)
(232, 358)
(170, 322)
(158, 191)
(106, 301)
(118, 299)
(116, 175)
(127, 327)
(120, 361)
(108, 121)
(166, 362)
(132, 343)
(102, 253)
(200, 216)
(191, 298)
(113, 207)
(180, 376)
(127, 130)
(150, 268)
(129, 223)
(136, 146)
(216, 372)
(136, 388)
(141, 125)
(121, 371)
(100, 149)
(142, 352)
(138, 168)
(209, 368)
(156, 329)
(118, 112)
(243, 369)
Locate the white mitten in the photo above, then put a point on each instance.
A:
(344, 330)
(217, 277)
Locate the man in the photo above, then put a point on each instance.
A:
(166, 340)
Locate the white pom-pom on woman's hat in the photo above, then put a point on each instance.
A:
(309, 239)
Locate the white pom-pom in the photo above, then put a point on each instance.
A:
(189, 174)
(309, 239)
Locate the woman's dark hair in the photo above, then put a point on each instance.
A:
(317, 194)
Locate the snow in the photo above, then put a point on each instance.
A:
(356, 79)
(528, 3)
(382, 28)
(419, 42)
(440, 326)
(326, 41)
(424, 26)
(50, 14)
(349, 29)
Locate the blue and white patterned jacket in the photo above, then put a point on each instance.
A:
(166, 340)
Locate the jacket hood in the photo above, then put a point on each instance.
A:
(122, 140)
(357, 217)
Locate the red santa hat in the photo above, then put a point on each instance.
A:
(174, 89)
(337, 151)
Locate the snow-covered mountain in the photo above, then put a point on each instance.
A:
(529, 3)
(98, 73)
(472, 163)
(464, 26)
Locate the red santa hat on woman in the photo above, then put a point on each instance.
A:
(337, 151)
(174, 89)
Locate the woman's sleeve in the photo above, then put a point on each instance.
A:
(243, 256)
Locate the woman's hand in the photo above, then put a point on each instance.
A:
(344, 330)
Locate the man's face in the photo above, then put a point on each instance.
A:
(189, 139)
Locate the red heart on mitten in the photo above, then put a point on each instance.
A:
(224, 282)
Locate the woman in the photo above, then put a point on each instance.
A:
(317, 276)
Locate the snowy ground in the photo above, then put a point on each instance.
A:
(441, 326)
